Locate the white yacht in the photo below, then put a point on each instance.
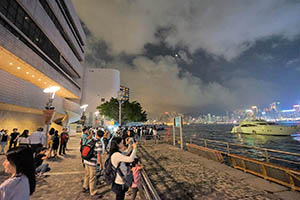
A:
(262, 127)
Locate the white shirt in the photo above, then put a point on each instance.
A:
(15, 188)
(37, 137)
(116, 158)
(23, 140)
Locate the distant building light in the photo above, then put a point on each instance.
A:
(292, 110)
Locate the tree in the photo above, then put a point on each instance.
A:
(131, 112)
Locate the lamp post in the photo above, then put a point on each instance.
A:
(120, 98)
(49, 108)
(96, 118)
(83, 117)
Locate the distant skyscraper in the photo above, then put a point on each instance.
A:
(125, 92)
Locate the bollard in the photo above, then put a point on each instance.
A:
(228, 148)
(205, 143)
(267, 155)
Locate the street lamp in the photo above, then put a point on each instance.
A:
(120, 98)
(83, 117)
(49, 108)
(51, 91)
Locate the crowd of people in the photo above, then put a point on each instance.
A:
(110, 155)
(24, 159)
(115, 155)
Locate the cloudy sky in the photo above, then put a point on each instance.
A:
(197, 56)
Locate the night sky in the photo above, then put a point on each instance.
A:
(196, 56)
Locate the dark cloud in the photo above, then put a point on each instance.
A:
(229, 53)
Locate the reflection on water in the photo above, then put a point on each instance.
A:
(222, 133)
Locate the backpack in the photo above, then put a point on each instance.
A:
(110, 173)
(87, 150)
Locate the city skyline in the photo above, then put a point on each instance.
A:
(196, 57)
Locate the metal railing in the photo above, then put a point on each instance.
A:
(252, 159)
(147, 187)
(287, 159)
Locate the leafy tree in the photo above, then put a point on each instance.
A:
(131, 111)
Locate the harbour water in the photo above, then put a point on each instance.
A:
(223, 133)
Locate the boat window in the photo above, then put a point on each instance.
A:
(262, 123)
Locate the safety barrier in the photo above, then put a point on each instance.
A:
(149, 191)
(286, 159)
(205, 152)
(272, 172)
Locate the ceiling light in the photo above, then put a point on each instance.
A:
(27, 72)
(39, 79)
(10, 63)
(45, 82)
(18, 67)
(32, 76)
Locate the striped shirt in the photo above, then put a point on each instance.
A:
(98, 148)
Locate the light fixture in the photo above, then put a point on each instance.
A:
(32, 76)
(45, 82)
(52, 90)
(10, 63)
(27, 72)
(39, 79)
(84, 106)
(18, 67)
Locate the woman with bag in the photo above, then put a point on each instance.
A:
(118, 160)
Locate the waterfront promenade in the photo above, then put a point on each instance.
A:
(176, 174)
(64, 181)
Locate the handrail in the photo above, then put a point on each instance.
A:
(267, 154)
(149, 190)
(250, 147)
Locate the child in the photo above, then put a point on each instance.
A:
(136, 171)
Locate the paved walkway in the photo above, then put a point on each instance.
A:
(64, 181)
(178, 174)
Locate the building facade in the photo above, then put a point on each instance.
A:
(41, 45)
(99, 86)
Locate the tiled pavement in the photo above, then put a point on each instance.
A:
(176, 174)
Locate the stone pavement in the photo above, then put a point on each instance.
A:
(64, 181)
(178, 174)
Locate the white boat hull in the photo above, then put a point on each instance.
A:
(265, 130)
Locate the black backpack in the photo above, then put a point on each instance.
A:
(110, 173)
(87, 150)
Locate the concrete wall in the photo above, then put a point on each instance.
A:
(97, 84)
(22, 121)
(41, 18)
(19, 92)
(17, 47)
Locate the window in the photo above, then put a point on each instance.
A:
(15, 13)
(60, 29)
